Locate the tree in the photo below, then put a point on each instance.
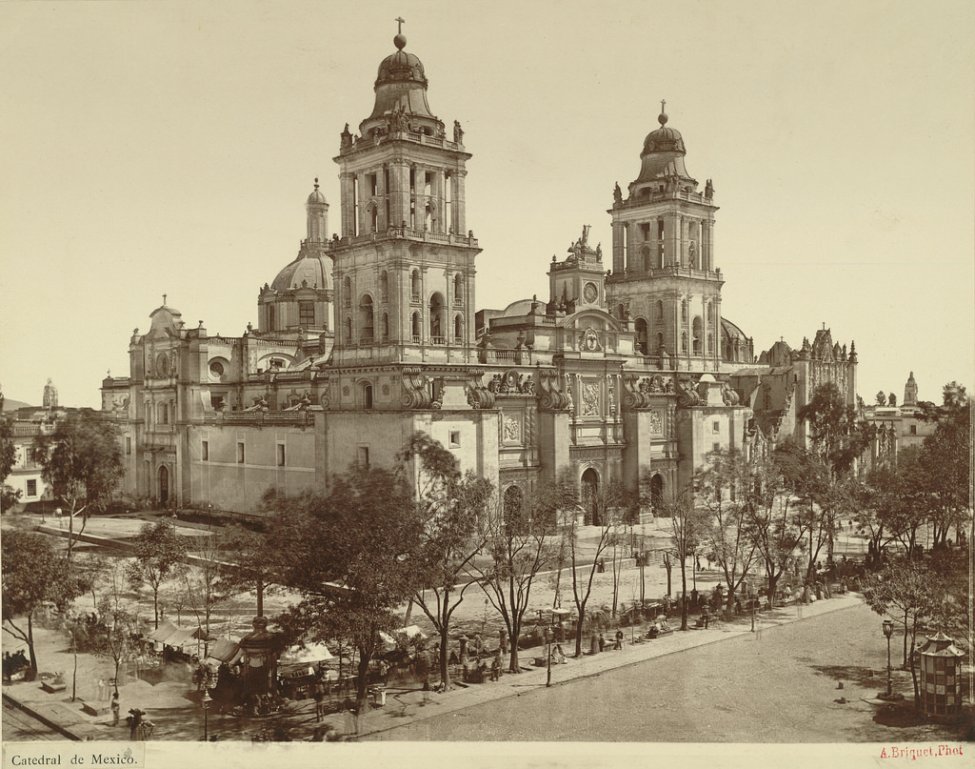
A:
(518, 551)
(260, 560)
(910, 593)
(34, 574)
(944, 463)
(452, 509)
(838, 439)
(202, 584)
(772, 526)
(352, 564)
(805, 477)
(726, 491)
(159, 557)
(687, 524)
(82, 461)
(607, 506)
(8, 451)
(118, 622)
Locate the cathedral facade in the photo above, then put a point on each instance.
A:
(627, 373)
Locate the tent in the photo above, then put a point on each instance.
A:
(225, 650)
(162, 633)
(304, 654)
(186, 636)
(409, 632)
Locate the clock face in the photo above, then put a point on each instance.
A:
(590, 292)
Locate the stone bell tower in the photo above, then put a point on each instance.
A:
(664, 272)
(404, 261)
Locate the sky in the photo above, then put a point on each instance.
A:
(151, 148)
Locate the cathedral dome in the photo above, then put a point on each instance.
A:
(663, 154)
(401, 66)
(401, 85)
(316, 198)
(307, 271)
(663, 139)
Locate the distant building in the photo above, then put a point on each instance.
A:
(896, 427)
(28, 424)
(631, 375)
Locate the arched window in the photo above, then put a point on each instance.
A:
(683, 342)
(415, 286)
(641, 336)
(659, 313)
(385, 327)
(373, 217)
(710, 343)
(697, 334)
(660, 341)
(348, 330)
(458, 288)
(415, 328)
(684, 315)
(710, 313)
(365, 395)
(270, 317)
(346, 291)
(437, 318)
(647, 258)
(458, 328)
(366, 322)
(590, 496)
(383, 286)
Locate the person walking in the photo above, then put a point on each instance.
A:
(319, 696)
(116, 707)
(57, 514)
(602, 642)
(618, 646)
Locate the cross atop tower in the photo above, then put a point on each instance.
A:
(663, 105)
(400, 21)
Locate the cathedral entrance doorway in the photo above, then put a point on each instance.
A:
(163, 485)
(590, 496)
(656, 492)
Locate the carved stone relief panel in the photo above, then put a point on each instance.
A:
(590, 398)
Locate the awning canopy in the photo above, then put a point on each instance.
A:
(411, 631)
(185, 636)
(225, 650)
(303, 654)
(163, 632)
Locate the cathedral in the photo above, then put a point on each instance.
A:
(627, 373)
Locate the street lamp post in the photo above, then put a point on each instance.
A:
(207, 699)
(548, 656)
(888, 626)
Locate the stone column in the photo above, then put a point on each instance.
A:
(618, 234)
(348, 204)
(460, 217)
(424, 308)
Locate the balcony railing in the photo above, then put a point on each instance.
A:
(301, 418)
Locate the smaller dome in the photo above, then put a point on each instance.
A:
(316, 197)
(401, 67)
(663, 139)
(308, 271)
(518, 308)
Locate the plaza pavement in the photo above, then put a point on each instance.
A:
(178, 717)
